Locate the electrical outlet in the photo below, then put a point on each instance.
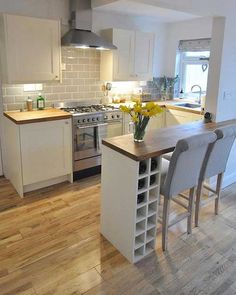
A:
(227, 95)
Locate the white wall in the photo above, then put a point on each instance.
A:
(104, 20)
(193, 29)
(223, 106)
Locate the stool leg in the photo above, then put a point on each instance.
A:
(198, 201)
(218, 192)
(166, 211)
(190, 209)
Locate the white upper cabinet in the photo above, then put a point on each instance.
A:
(143, 56)
(132, 61)
(30, 49)
(123, 57)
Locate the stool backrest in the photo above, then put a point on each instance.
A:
(186, 163)
(218, 153)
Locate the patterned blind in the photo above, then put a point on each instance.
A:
(195, 45)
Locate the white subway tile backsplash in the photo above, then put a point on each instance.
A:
(71, 88)
(8, 99)
(83, 75)
(58, 89)
(14, 91)
(80, 81)
(71, 75)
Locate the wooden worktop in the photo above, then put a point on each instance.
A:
(160, 141)
(37, 116)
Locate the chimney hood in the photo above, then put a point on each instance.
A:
(80, 35)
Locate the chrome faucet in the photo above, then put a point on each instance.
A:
(200, 92)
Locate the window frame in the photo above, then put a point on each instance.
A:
(183, 61)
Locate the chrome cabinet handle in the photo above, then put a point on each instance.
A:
(92, 126)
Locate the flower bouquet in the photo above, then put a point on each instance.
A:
(140, 115)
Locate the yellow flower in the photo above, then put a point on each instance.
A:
(150, 105)
(145, 113)
(137, 108)
(125, 109)
(134, 118)
(138, 111)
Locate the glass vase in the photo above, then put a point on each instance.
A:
(139, 135)
(140, 129)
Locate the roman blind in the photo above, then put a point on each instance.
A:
(195, 45)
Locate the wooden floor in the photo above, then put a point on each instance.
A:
(50, 244)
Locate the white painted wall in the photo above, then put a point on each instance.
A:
(103, 20)
(193, 29)
(224, 75)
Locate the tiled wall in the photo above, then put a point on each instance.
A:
(80, 81)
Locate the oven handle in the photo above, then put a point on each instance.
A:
(92, 126)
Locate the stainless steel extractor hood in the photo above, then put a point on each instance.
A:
(80, 35)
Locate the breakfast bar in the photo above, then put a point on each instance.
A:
(131, 174)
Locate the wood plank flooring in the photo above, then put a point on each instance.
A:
(50, 244)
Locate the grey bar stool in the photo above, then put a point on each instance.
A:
(214, 164)
(183, 174)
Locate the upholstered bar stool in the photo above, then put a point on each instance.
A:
(183, 174)
(214, 164)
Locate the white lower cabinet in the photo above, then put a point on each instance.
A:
(156, 122)
(175, 117)
(38, 154)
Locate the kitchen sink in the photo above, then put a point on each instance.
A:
(188, 105)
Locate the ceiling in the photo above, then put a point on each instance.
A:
(130, 7)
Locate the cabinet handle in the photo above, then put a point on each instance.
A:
(66, 122)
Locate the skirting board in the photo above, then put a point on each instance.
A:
(227, 180)
(35, 186)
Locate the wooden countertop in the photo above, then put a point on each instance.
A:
(171, 105)
(160, 141)
(37, 116)
(183, 109)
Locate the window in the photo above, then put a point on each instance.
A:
(192, 65)
(193, 69)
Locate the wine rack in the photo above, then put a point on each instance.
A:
(146, 207)
(129, 203)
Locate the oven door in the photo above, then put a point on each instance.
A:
(87, 145)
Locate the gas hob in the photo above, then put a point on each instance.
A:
(83, 109)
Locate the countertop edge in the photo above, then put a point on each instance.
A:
(169, 147)
(136, 158)
(37, 120)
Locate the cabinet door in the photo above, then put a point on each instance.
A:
(32, 49)
(124, 55)
(156, 122)
(46, 149)
(174, 117)
(143, 65)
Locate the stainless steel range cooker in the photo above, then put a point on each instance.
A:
(91, 123)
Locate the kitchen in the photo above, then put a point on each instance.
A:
(76, 82)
